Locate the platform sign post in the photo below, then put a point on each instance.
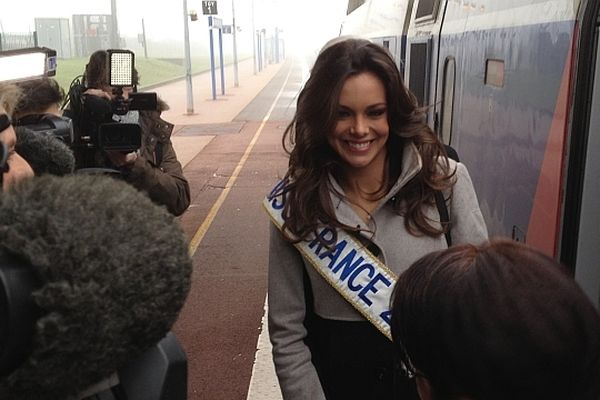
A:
(222, 61)
(216, 23)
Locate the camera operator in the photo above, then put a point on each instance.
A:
(154, 168)
(43, 134)
(14, 167)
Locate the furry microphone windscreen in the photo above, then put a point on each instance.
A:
(45, 154)
(115, 272)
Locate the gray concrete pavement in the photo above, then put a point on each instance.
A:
(208, 126)
(209, 111)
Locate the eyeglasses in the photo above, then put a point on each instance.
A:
(407, 368)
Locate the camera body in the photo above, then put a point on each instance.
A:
(49, 124)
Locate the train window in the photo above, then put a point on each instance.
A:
(448, 100)
(494, 73)
(386, 44)
(427, 10)
(418, 73)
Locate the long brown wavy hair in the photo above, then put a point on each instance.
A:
(311, 159)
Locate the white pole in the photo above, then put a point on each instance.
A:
(254, 37)
(188, 61)
(236, 81)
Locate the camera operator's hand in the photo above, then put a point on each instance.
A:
(99, 93)
(122, 160)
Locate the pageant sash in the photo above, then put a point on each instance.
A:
(358, 276)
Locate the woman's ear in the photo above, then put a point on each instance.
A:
(424, 388)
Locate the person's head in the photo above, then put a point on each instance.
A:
(15, 167)
(496, 321)
(323, 102)
(354, 111)
(40, 96)
(96, 74)
(86, 293)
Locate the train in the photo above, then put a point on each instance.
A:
(513, 86)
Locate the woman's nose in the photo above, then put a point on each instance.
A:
(360, 126)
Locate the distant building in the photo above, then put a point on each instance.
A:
(55, 34)
(91, 33)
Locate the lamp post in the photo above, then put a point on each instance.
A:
(254, 37)
(144, 39)
(236, 81)
(114, 32)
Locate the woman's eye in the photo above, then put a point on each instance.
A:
(343, 114)
(378, 112)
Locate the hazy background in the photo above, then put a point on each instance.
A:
(305, 24)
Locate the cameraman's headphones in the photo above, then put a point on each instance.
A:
(3, 159)
(18, 311)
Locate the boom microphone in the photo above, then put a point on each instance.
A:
(112, 272)
(45, 153)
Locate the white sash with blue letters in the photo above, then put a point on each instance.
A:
(364, 281)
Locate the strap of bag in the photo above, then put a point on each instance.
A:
(358, 276)
(444, 216)
(441, 202)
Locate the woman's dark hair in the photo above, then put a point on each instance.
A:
(312, 159)
(96, 71)
(497, 321)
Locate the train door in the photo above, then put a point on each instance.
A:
(580, 234)
(422, 52)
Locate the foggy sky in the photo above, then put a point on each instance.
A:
(305, 23)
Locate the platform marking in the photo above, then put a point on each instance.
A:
(263, 381)
(199, 235)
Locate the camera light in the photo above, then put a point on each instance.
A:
(16, 65)
(120, 67)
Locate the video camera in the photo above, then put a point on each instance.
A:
(34, 63)
(49, 124)
(97, 121)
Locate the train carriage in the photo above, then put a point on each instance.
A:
(511, 86)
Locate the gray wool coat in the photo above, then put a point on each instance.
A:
(398, 250)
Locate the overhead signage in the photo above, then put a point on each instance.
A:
(209, 7)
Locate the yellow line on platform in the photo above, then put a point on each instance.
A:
(199, 235)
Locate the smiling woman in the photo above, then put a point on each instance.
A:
(359, 193)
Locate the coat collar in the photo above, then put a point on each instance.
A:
(411, 165)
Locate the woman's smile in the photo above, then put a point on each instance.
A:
(362, 130)
(359, 146)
